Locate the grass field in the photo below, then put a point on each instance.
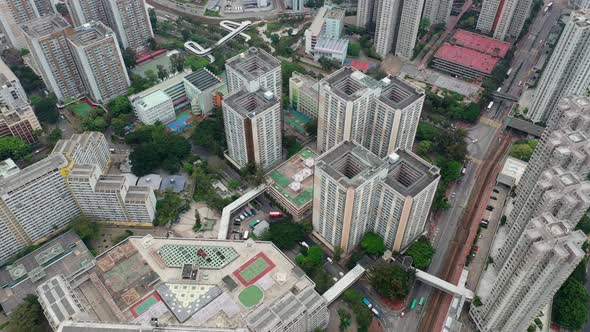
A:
(250, 296)
(81, 109)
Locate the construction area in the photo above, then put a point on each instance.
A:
(291, 184)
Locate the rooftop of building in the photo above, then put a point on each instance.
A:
(483, 44)
(399, 93)
(318, 22)
(512, 171)
(153, 99)
(293, 179)
(176, 183)
(581, 17)
(350, 164)
(6, 75)
(89, 33)
(248, 104)
(60, 302)
(467, 58)
(305, 81)
(349, 83)
(335, 14)
(7, 168)
(332, 45)
(172, 81)
(45, 25)
(150, 180)
(409, 174)
(65, 255)
(93, 326)
(197, 282)
(68, 146)
(203, 79)
(253, 63)
(12, 115)
(27, 175)
(110, 183)
(137, 194)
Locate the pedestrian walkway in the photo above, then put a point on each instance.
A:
(490, 122)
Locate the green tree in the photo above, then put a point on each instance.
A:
(345, 319)
(354, 49)
(45, 108)
(390, 280)
(169, 207)
(151, 75)
(584, 224)
(210, 133)
(329, 64)
(291, 145)
(162, 72)
(13, 147)
(129, 57)
(450, 170)
(570, 305)
(523, 151)
(195, 63)
(24, 52)
(55, 136)
(373, 244)
(337, 253)
(86, 228)
(311, 128)
(424, 148)
(153, 19)
(286, 234)
(152, 44)
(423, 27)
(120, 105)
(177, 62)
(28, 316)
(421, 251)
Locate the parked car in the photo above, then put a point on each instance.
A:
(253, 211)
(494, 198)
(496, 191)
(475, 248)
(489, 208)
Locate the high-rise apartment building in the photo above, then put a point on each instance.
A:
(580, 4)
(131, 22)
(89, 148)
(437, 11)
(19, 121)
(568, 70)
(381, 115)
(12, 93)
(364, 14)
(253, 127)
(86, 11)
(409, 22)
(544, 257)
(47, 40)
(355, 192)
(13, 13)
(386, 26)
(98, 56)
(34, 203)
(255, 69)
(105, 197)
(505, 18)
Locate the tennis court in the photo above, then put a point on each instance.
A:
(251, 296)
(144, 305)
(254, 269)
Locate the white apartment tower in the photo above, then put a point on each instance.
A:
(253, 127)
(12, 93)
(542, 259)
(97, 53)
(47, 40)
(34, 203)
(255, 69)
(86, 11)
(409, 22)
(105, 197)
(13, 13)
(356, 192)
(87, 148)
(381, 115)
(505, 18)
(131, 22)
(386, 25)
(437, 11)
(568, 70)
(304, 94)
(580, 4)
(364, 14)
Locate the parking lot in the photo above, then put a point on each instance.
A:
(262, 208)
(481, 249)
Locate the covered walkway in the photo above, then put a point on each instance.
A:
(234, 206)
(444, 285)
(344, 283)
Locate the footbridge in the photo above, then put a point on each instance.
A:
(444, 285)
(344, 283)
(234, 29)
(506, 96)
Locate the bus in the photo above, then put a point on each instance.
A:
(508, 72)
(422, 299)
(246, 233)
(413, 304)
(367, 303)
(490, 105)
(275, 214)
(376, 312)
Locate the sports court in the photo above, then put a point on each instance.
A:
(80, 108)
(296, 120)
(250, 296)
(360, 65)
(183, 121)
(254, 269)
(144, 305)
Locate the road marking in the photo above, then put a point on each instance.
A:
(490, 122)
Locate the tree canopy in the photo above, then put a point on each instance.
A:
(391, 281)
(286, 234)
(28, 316)
(210, 133)
(570, 304)
(312, 260)
(169, 207)
(523, 149)
(421, 251)
(45, 108)
(13, 147)
(373, 244)
(85, 227)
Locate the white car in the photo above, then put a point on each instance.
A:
(304, 244)
(474, 141)
(329, 260)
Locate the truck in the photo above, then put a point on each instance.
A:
(275, 214)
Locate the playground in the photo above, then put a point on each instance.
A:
(144, 305)
(251, 296)
(296, 120)
(183, 121)
(254, 269)
(81, 108)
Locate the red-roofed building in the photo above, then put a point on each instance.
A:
(483, 44)
(463, 62)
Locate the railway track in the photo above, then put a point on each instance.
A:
(454, 254)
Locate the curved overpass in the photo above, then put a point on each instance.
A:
(198, 50)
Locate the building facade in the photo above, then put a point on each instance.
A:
(255, 69)
(86, 11)
(46, 38)
(200, 87)
(253, 127)
(505, 18)
(35, 203)
(304, 94)
(156, 106)
(438, 11)
(386, 26)
(14, 13)
(381, 115)
(19, 121)
(131, 22)
(12, 92)
(97, 53)
(364, 14)
(356, 192)
(542, 259)
(568, 70)
(409, 22)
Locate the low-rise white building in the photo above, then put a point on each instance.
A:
(331, 48)
(200, 87)
(156, 106)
